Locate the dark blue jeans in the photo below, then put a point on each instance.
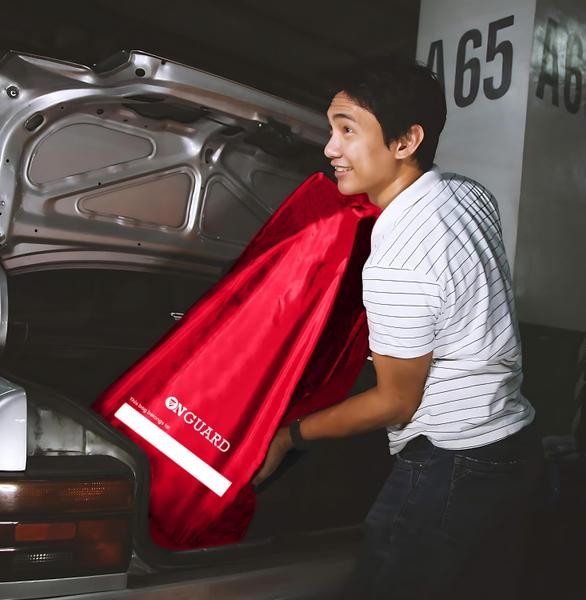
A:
(454, 524)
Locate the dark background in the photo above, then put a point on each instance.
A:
(280, 47)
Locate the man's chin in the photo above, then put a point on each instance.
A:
(346, 188)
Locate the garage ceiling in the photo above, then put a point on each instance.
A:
(281, 47)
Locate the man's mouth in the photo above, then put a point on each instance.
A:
(342, 169)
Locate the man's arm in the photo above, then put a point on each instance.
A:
(392, 401)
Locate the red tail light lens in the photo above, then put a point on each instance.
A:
(44, 532)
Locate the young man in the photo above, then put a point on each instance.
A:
(446, 351)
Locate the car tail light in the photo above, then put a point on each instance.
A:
(57, 497)
(66, 526)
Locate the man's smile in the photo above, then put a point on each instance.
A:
(341, 169)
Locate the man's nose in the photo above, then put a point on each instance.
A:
(331, 149)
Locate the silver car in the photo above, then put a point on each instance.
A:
(127, 190)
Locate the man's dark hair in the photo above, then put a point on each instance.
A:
(399, 92)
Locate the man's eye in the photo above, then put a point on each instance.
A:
(348, 130)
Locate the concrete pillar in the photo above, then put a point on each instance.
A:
(514, 79)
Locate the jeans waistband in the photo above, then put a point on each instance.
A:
(522, 443)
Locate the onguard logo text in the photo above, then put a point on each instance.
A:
(199, 425)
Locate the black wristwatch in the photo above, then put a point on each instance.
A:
(298, 442)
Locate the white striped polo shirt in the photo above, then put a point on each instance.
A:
(437, 279)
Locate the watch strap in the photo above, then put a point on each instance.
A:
(295, 430)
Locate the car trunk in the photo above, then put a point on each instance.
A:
(127, 192)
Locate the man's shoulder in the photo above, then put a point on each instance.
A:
(456, 180)
(458, 187)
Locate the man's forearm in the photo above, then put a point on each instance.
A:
(393, 401)
(360, 413)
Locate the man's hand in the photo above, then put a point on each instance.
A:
(280, 445)
(393, 401)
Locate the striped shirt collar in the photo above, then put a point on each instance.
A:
(409, 196)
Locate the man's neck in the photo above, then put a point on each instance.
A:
(406, 176)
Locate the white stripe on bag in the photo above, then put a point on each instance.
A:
(172, 449)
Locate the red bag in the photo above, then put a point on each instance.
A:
(281, 335)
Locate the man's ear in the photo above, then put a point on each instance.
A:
(407, 144)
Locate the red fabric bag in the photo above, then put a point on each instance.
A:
(281, 335)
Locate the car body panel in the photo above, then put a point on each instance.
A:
(13, 426)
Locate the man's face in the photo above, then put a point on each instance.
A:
(362, 161)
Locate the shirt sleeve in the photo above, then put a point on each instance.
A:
(402, 309)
